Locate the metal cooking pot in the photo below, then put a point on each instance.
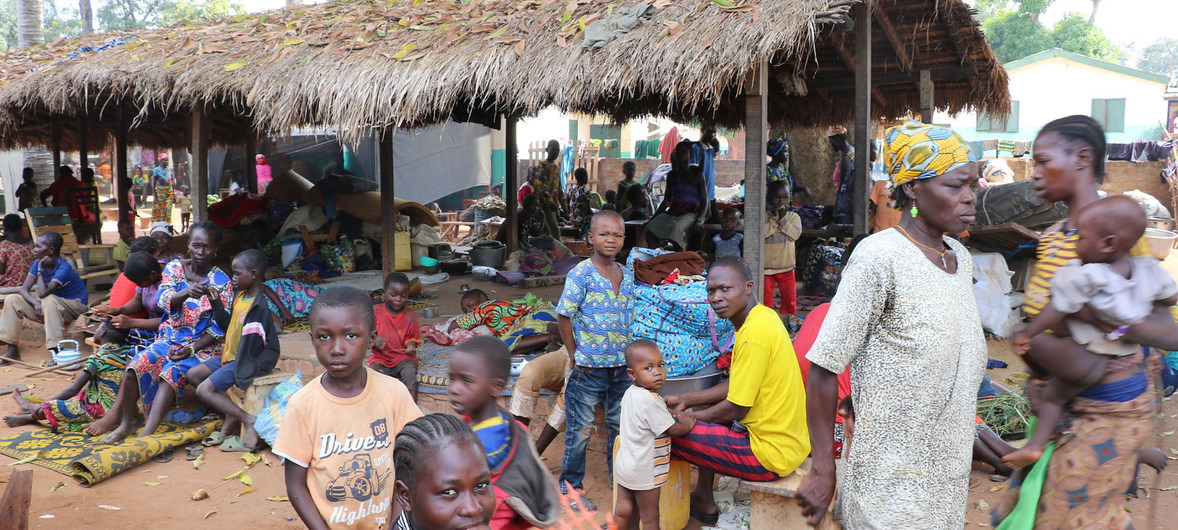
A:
(488, 254)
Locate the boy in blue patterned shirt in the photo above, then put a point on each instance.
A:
(594, 316)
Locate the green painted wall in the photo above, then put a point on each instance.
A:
(498, 166)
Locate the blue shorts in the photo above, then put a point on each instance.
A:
(222, 374)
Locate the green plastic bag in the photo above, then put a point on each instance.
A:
(1023, 515)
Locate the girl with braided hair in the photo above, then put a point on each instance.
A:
(443, 481)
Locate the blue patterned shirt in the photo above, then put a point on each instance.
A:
(601, 319)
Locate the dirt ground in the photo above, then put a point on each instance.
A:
(144, 506)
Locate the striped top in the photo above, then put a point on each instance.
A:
(644, 449)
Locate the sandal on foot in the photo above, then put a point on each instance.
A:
(708, 519)
(233, 444)
(164, 457)
(217, 438)
(194, 452)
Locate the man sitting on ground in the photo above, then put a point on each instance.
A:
(61, 297)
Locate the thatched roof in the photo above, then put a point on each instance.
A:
(353, 64)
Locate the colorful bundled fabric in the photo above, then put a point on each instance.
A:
(296, 296)
(918, 151)
(823, 269)
(811, 215)
(106, 369)
(679, 319)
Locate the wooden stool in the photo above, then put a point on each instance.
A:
(255, 396)
(674, 495)
(774, 504)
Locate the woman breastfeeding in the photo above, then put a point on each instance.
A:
(194, 295)
(1109, 422)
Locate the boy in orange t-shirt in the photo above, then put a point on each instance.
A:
(394, 353)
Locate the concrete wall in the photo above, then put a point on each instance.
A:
(1057, 87)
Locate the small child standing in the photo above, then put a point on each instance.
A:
(783, 227)
(728, 242)
(251, 350)
(644, 452)
(525, 492)
(338, 432)
(184, 204)
(1121, 291)
(394, 353)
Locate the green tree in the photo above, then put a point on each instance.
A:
(1161, 57)
(1015, 35)
(1075, 34)
(136, 14)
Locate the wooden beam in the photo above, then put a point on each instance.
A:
(840, 46)
(388, 221)
(863, 132)
(927, 104)
(903, 53)
(198, 170)
(756, 134)
(511, 182)
(122, 181)
(55, 139)
(950, 74)
(251, 167)
(14, 507)
(83, 146)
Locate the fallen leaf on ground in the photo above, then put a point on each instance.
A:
(237, 474)
(243, 492)
(48, 516)
(1175, 451)
(146, 471)
(26, 459)
(200, 461)
(251, 458)
(153, 483)
(200, 495)
(109, 507)
(1169, 488)
(1169, 433)
(208, 514)
(58, 486)
(265, 460)
(246, 479)
(278, 498)
(996, 489)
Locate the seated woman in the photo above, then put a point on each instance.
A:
(16, 255)
(639, 204)
(685, 208)
(138, 310)
(195, 295)
(163, 234)
(92, 394)
(530, 222)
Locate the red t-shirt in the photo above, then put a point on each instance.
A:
(805, 339)
(398, 331)
(122, 292)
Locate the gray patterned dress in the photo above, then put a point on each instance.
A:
(912, 336)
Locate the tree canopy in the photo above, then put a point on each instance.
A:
(62, 18)
(1161, 57)
(1014, 30)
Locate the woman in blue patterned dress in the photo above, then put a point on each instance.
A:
(195, 295)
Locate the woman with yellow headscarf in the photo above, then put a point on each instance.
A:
(904, 317)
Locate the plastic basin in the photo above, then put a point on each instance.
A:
(1160, 242)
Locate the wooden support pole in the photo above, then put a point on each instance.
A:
(388, 221)
(83, 147)
(14, 507)
(198, 170)
(55, 139)
(927, 103)
(251, 165)
(863, 129)
(756, 134)
(122, 181)
(511, 183)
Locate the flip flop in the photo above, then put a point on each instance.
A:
(217, 438)
(194, 452)
(708, 519)
(8, 389)
(233, 444)
(165, 456)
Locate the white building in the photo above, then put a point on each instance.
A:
(1056, 83)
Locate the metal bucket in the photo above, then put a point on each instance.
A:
(701, 380)
(1161, 223)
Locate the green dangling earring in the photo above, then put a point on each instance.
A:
(913, 211)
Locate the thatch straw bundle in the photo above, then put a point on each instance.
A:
(353, 64)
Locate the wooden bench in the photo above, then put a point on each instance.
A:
(451, 230)
(254, 398)
(774, 504)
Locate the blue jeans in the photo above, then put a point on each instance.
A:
(586, 388)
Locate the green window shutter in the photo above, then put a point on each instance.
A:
(1012, 119)
(573, 131)
(1116, 116)
(1100, 112)
(983, 121)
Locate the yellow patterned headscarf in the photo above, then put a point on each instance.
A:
(918, 151)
